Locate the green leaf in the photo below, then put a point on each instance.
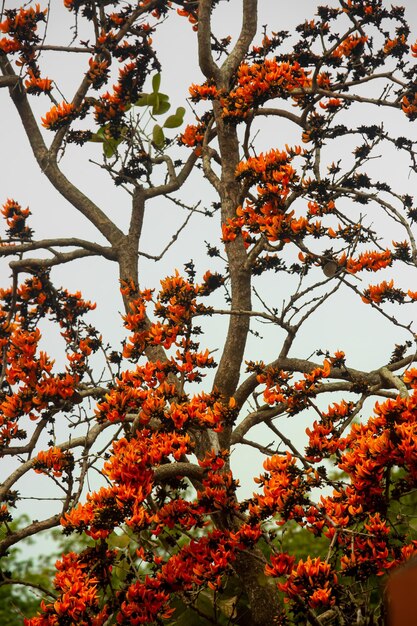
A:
(108, 150)
(158, 136)
(96, 138)
(173, 121)
(143, 100)
(163, 104)
(162, 108)
(110, 147)
(153, 99)
(158, 101)
(156, 82)
(158, 106)
(119, 573)
(118, 541)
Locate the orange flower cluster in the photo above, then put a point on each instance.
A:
(146, 393)
(385, 291)
(278, 389)
(263, 81)
(36, 85)
(350, 46)
(386, 440)
(410, 377)
(78, 602)
(314, 209)
(4, 514)
(219, 486)
(111, 106)
(131, 471)
(396, 45)
(298, 586)
(269, 165)
(201, 561)
(98, 72)
(16, 218)
(176, 304)
(60, 115)
(256, 84)
(38, 387)
(409, 105)
(372, 261)
(356, 517)
(21, 24)
(365, 6)
(285, 490)
(333, 104)
(32, 387)
(203, 92)
(193, 137)
(53, 459)
(275, 178)
(323, 437)
(9, 45)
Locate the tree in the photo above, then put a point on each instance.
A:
(297, 226)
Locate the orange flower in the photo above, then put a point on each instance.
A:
(9, 45)
(53, 459)
(372, 261)
(350, 46)
(409, 105)
(410, 377)
(193, 136)
(98, 72)
(393, 44)
(331, 105)
(203, 92)
(59, 116)
(381, 292)
(35, 85)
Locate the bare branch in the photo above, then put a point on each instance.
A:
(205, 57)
(269, 111)
(71, 193)
(247, 33)
(59, 258)
(171, 470)
(175, 180)
(44, 244)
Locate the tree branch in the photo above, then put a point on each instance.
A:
(205, 57)
(246, 36)
(59, 259)
(175, 180)
(42, 244)
(80, 201)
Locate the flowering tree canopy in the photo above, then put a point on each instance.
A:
(294, 137)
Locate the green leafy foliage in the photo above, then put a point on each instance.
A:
(158, 136)
(157, 103)
(173, 121)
